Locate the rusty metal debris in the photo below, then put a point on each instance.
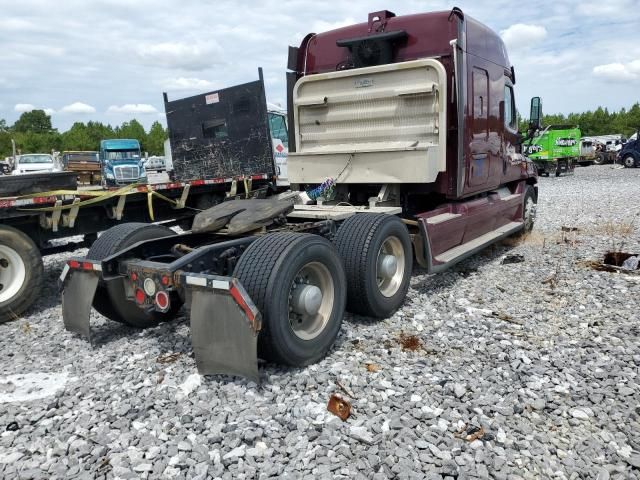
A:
(372, 367)
(409, 342)
(471, 433)
(168, 358)
(340, 407)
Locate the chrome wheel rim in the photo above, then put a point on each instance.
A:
(390, 266)
(529, 213)
(311, 300)
(13, 273)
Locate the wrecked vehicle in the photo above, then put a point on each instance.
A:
(402, 137)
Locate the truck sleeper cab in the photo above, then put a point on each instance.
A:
(402, 130)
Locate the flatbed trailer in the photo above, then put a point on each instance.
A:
(392, 156)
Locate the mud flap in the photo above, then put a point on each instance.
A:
(77, 298)
(224, 329)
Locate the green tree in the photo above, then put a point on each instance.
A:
(35, 121)
(155, 139)
(3, 125)
(77, 138)
(132, 129)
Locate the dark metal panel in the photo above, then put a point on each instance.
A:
(222, 133)
(222, 338)
(77, 298)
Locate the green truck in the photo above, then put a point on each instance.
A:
(555, 149)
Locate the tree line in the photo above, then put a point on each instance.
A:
(33, 133)
(598, 122)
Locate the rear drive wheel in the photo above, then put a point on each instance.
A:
(21, 273)
(377, 255)
(297, 281)
(629, 161)
(110, 299)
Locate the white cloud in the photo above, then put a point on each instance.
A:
(604, 9)
(618, 72)
(23, 107)
(27, 107)
(188, 56)
(132, 108)
(522, 35)
(187, 83)
(78, 107)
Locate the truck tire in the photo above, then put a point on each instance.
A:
(110, 299)
(529, 206)
(599, 159)
(21, 273)
(629, 161)
(297, 281)
(378, 258)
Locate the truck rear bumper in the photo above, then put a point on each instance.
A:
(224, 320)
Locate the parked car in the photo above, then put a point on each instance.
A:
(34, 162)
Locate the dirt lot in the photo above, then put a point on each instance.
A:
(491, 370)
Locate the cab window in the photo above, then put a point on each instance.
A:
(278, 128)
(510, 118)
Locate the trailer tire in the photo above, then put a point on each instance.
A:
(110, 299)
(361, 241)
(21, 273)
(272, 270)
(599, 159)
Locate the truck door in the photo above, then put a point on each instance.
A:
(510, 156)
(280, 139)
(479, 163)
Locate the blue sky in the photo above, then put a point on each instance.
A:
(110, 60)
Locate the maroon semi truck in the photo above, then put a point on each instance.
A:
(403, 144)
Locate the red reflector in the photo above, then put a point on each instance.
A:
(140, 296)
(74, 264)
(87, 266)
(237, 296)
(134, 276)
(165, 280)
(162, 300)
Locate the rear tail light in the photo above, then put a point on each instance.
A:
(90, 266)
(134, 276)
(162, 301)
(165, 280)
(140, 296)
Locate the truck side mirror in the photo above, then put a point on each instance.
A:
(535, 116)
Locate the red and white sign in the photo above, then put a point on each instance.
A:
(212, 98)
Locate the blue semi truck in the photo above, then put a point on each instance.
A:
(121, 162)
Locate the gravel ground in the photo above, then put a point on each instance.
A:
(491, 370)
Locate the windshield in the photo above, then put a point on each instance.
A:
(35, 159)
(121, 154)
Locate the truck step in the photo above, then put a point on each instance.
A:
(466, 249)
